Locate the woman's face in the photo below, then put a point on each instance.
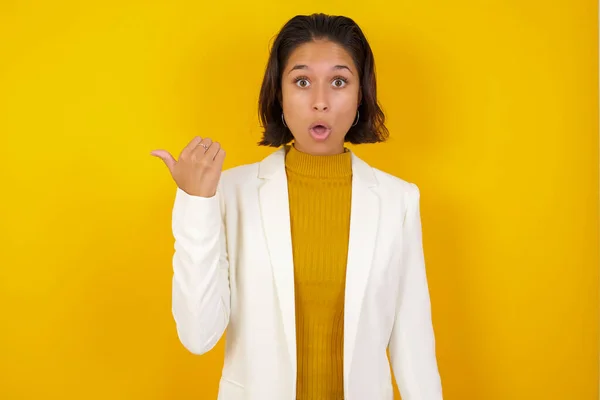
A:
(320, 96)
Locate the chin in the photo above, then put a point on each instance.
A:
(324, 147)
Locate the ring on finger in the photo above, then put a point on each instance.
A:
(203, 145)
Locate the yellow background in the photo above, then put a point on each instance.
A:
(493, 112)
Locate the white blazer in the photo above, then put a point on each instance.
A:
(233, 269)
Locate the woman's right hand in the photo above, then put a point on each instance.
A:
(198, 170)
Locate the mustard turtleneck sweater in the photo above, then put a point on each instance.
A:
(319, 193)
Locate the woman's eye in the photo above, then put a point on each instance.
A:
(339, 83)
(302, 83)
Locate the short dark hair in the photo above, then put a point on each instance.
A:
(338, 29)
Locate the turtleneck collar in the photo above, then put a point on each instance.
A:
(318, 166)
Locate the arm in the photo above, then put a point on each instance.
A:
(412, 343)
(201, 302)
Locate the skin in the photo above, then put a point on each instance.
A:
(320, 83)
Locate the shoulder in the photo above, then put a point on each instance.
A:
(398, 192)
(240, 174)
(393, 182)
(251, 172)
(390, 184)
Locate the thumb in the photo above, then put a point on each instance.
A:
(164, 155)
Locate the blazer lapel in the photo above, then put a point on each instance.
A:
(364, 217)
(274, 206)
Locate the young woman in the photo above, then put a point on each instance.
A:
(311, 259)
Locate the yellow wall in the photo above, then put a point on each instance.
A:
(493, 111)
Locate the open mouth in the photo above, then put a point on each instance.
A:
(319, 131)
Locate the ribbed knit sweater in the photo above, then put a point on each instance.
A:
(319, 193)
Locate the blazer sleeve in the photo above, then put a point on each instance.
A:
(412, 343)
(200, 285)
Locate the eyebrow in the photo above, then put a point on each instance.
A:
(304, 66)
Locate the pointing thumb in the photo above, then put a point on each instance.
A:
(164, 155)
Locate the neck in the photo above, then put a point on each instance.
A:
(318, 166)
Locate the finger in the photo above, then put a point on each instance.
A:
(212, 151)
(164, 155)
(220, 158)
(191, 145)
(201, 148)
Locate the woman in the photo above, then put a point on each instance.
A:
(311, 259)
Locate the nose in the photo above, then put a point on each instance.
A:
(320, 102)
(320, 106)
